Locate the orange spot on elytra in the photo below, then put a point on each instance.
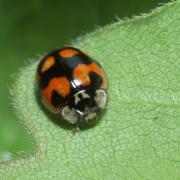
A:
(49, 62)
(67, 53)
(60, 84)
(81, 74)
(94, 68)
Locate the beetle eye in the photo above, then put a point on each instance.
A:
(101, 98)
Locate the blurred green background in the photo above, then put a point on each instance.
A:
(30, 28)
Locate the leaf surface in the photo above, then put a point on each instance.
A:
(138, 135)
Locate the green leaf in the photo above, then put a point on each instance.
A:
(138, 135)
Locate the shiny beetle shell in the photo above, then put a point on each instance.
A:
(72, 85)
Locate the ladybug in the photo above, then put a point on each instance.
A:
(73, 85)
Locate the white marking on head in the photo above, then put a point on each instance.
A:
(101, 98)
(69, 114)
(77, 99)
(90, 116)
(84, 96)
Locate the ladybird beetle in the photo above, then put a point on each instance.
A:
(73, 85)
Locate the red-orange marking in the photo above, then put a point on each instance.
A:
(81, 74)
(49, 62)
(61, 85)
(94, 68)
(67, 53)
